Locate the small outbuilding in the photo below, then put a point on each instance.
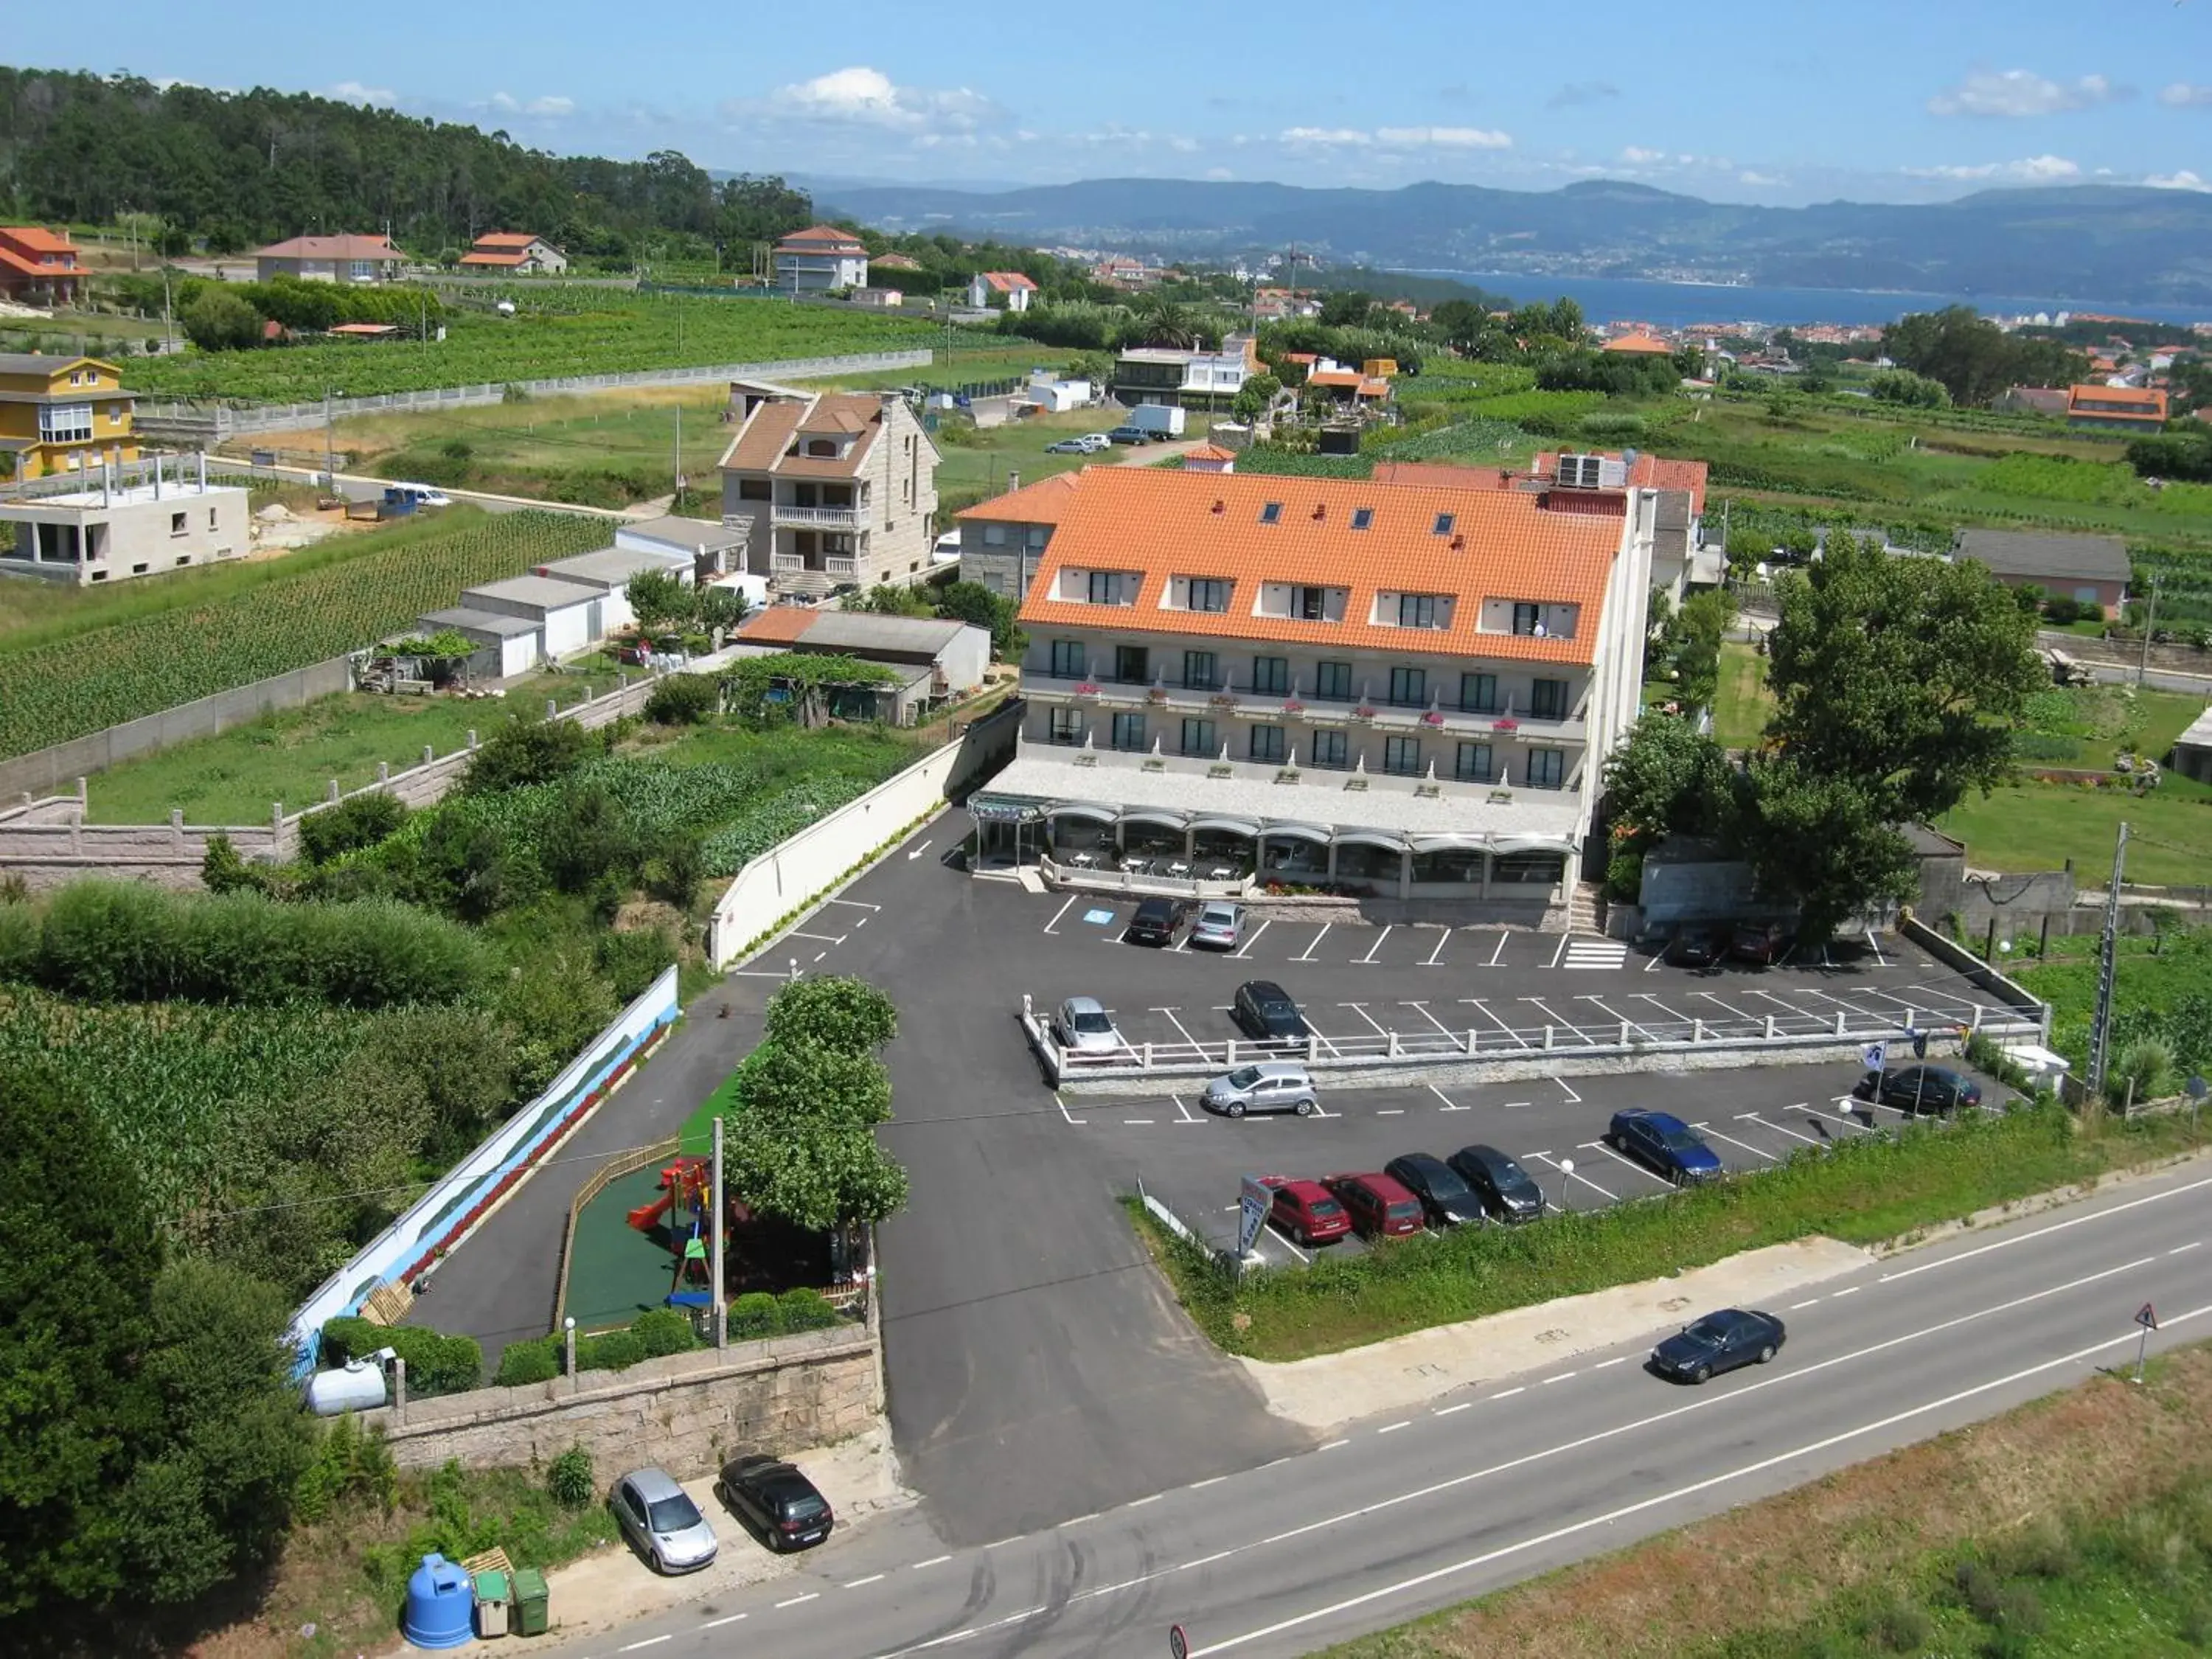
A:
(607, 573)
(2091, 569)
(507, 645)
(942, 659)
(569, 617)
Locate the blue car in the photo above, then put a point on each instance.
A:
(1664, 1143)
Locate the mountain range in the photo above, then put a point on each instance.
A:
(2081, 242)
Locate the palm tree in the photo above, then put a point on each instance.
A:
(1166, 323)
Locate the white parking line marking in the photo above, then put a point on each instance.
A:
(1393, 1428)
(1136, 1120)
(857, 905)
(1479, 1003)
(1444, 937)
(1446, 1411)
(1561, 952)
(1063, 1112)
(1732, 1009)
(1783, 1129)
(1658, 961)
(1449, 1104)
(1178, 1024)
(1245, 950)
(834, 938)
(1380, 1030)
(1875, 946)
(1422, 1009)
(1615, 1013)
(934, 1561)
(1508, 1393)
(811, 1596)
(727, 1619)
(1276, 1233)
(1317, 938)
(1377, 946)
(1756, 1151)
(1572, 1095)
(2179, 1248)
(1557, 1017)
(1390, 1111)
(1624, 1163)
(1679, 1018)
(1577, 1175)
(1057, 914)
(1499, 951)
(856, 1584)
(1187, 1116)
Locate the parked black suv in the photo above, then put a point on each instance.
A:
(1445, 1199)
(1922, 1089)
(1505, 1187)
(1265, 1009)
(1155, 922)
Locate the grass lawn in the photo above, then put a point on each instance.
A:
(1742, 707)
(233, 777)
(977, 460)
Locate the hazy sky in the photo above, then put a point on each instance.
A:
(1780, 100)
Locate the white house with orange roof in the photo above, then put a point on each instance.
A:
(1398, 691)
(36, 265)
(1004, 290)
(514, 252)
(821, 259)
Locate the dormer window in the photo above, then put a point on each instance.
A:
(1417, 610)
(1271, 512)
(1207, 593)
(825, 448)
(1442, 525)
(1361, 517)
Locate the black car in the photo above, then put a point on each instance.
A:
(1447, 1201)
(1763, 942)
(1155, 922)
(1922, 1089)
(1502, 1186)
(1265, 1009)
(773, 1498)
(1718, 1342)
(1696, 947)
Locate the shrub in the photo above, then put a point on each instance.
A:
(537, 1360)
(755, 1313)
(527, 751)
(610, 1351)
(682, 700)
(805, 1310)
(664, 1331)
(346, 1463)
(361, 821)
(19, 942)
(632, 961)
(2143, 1071)
(569, 1479)
(1901, 1626)
(2061, 611)
(436, 1363)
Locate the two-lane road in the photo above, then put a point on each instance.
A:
(1401, 1516)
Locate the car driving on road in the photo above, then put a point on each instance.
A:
(658, 1516)
(1083, 1025)
(1267, 1087)
(1265, 1010)
(1664, 1143)
(1719, 1342)
(1446, 1199)
(1506, 1191)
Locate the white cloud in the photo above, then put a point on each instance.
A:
(354, 92)
(1445, 137)
(2031, 170)
(1636, 155)
(1346, 137)
(546, 108)
(1219, 174)
(2182, 95)
(2019, 92)
(861, 96)
(1182, 145)
(1747, 177)
(2183, 179)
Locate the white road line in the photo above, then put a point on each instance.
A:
(1393, 1428)
(1357, 1008)
(1377, 946)
(1446, 1411)
(1213, 1481)
(1140, 1503)
(649, 1642)
(727, 1619)
(1624, 1163)
(1807, 1303)
(1658, 961)
(1317, 938)
(1617, 1359)
(1335, 1053)
(2179, 1248)
(2055, 1227)
(1572, 1095)
(1422, 1009)
(1449, 1104)
(1755, 1152)
(834, 938)
(934, 1561)
(1508, 1393)
(1444, 937)
(1780, 1129)
(1187, 1116)
(1577, 1175)
(857, 905)
(1557, 1017)
(1333, 1445)
(1390, 1111)
(1499, 951)
(1136, 1120)
(872, 1578)
(1615, 1013)
(1561, 1377)
(1875, 946)
(1063, 1112)
(1057, 914)
(1589, 1523)
(1276, 1233)
(1734, 1012)
(1673, 1014)
(917, 851)
(1245, 950)
(1479, 1003)
(811, 1596)
(1850, 1290)
(1177, 1024)
(1561, 952)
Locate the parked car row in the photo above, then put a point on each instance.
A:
(1706, 945)
(770, 1498)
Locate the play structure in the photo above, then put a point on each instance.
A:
(684, 1211)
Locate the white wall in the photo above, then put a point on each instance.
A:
(567, 629)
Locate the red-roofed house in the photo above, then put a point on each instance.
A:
(515, 253)
(1640, 345)
(330, 260)
(37, 266)
(1007, 290)
(821, 261)
(2115, 407)
(1209, 457)
(1406, 691)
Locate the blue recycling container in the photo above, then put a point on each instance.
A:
(440, 1603)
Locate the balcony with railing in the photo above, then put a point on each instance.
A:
(838, 566)
(818, 518)
(1232, 699)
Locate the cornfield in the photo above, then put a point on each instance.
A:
(51, 693)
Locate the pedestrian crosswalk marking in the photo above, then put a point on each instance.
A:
(1595, 953)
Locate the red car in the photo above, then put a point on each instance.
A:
(1307, 1211)
(1379, 1207)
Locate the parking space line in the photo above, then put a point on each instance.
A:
(1245, 950)
(1753, 1117)
(1658, 960)
(1136, 1120)
(834, 939)
(1380, 1030)
(1057, 914)
(1572, 1095)
(1187, 1115)
(1422, 1009)
(1063, 1112)
(1846, 1119)
(1450, 1105)
(1830, 996)
(1498, 1022)
(1558, 1017)
(1177, 1024)
(1276, 1233)
(1733, 1011)
(1389, 1111)
(1616, 1014)
(1501, 937)
(1625, 1162)
(857, 904)
(1577, 1175)
(1756, 1151)
(1687, 1020)
(1321, 1037)
(1369, 958)
(1875, 946)
(1444, 937)
(1316, 945)
(1561, 952)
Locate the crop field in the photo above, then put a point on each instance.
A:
(556, 331)
(52, 692)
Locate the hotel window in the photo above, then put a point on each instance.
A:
(1209, 595)
(1105, 587)
(1067, 660)
(1267, 743)
(1067, 725)
(1402, 756)
(1309, 603)
(760, 490)
(1477, 693)
(1547, 768)
(1271, 675)
(1525, 618)
(1133, 665)
(1198, 737)
(1417, 610)
(1409, 687)
(1547, 700)
(1201, 671)
(1329, 748)
(1332, 681)
(1474, 764)
(1128, 730)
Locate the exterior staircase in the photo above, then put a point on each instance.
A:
(1584, 902)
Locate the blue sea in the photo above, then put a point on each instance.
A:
(1678, 305)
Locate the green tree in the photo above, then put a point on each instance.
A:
(836, 1011)
(1973, 358)
(1697, 632)
(218, 320)
(1902, 385)
(1828, 842)
(972, 602)
(527, 752)
(1666, 779)
(722, 607)
(1255, 398)
(891, 599)
(660, 600)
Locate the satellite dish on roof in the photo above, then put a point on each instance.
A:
(1628, 457)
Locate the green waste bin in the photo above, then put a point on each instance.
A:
(532, 1615)
(492, 1595)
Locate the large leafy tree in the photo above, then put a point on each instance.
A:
(1973, 358)
(1667, 779)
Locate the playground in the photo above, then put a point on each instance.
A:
(646, 1240)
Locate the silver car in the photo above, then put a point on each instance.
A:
(1271, 1087)
(1219, 926)
(1082, 1024)
(658, 1516)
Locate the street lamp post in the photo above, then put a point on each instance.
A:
(1566, 1180)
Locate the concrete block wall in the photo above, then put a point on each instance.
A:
(687, 1413)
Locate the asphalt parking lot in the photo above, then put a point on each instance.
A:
(1441, 989)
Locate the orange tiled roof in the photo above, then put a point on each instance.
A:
(763, 442)
(1005, 282)
(897, 262)
(481, 256)
(492, 240)
(1649, 472)
(2116, 400)
(779, 624)
(1442, 475)
(821, 239)
(1209, 453)
(37, 239)
(1041, 503)
(1643, 343)
(1165, 524)
(330, 247)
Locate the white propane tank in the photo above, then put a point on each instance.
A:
(356, 1386)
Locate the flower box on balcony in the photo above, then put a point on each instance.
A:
(1505, 724)
(1292, 706)
(1154, 764)
(1158, 694)
(1221, 700)
(1434, 717)
(1086, 690)
(1364, 711)
(1220, 771)
(1501, 796)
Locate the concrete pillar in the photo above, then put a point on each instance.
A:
(83, 791)
(384, 771)
(276, 821)
(399, 1391)
(552, 708)
(472, 737)
(428, 754)
(176, 822)
(1488, 859)
(1406, 875)
(330, 790)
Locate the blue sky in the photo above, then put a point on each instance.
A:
(1781, 100)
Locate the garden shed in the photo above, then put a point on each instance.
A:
(569, 617)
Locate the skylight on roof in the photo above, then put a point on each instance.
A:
(1361, 517)
(1271, 513)
(1443, 525)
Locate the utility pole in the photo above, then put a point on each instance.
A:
(679, 470)
(329, 448)
(721, 1323)
(2107, 955)
(2150, 621)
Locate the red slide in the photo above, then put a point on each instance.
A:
(645, 1215)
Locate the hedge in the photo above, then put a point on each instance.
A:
(436, 1363)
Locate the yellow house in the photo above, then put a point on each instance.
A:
(62, 415)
